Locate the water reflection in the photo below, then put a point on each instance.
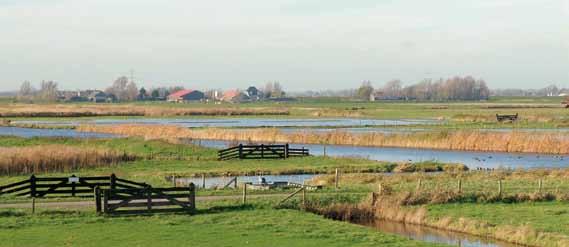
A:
(28, 133)
(433, 235)
(471, 159)
(217, 182)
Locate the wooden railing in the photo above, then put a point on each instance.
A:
(66, 186)
(261, 152)
(145, 200)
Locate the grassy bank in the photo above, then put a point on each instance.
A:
(521, 212)
(215, 224)
(549, 143)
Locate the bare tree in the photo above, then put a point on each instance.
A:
(268, 90)
(119, 88)
(26, 92)
(393, 88)
(131, 91)
(365, 91)
(48, 91)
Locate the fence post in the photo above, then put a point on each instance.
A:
(73, 186)
(113, 181)
(97, 194)
(192, 198)
(33, 186)
(262, 151)
(148, 198)
(373, 198)
(174, 181)
(240, 151)
(337, 178)
(286, 151)
(324, 150)
(235, 183)
(500, 187)
(459, 186)
(203, 181)
(540, 185)
(379, 188)
(33, 205)
(303, 196)
(106, 195)
(244, 193)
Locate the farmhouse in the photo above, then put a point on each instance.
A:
(99, 96)
(234, 96)
(186, 95)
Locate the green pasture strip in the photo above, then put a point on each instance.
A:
(542, 216)
(215, 224)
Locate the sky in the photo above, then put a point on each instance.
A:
(303, 44)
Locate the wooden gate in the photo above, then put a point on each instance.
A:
(145, 200)
(261, 152)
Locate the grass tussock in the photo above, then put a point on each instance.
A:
(56, 158)
(63, 110)
(524, 142)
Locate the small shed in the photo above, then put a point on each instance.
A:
(186, 95)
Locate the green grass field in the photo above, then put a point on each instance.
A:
(543, 216)
(215, 224)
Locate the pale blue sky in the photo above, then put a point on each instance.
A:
(304, 44)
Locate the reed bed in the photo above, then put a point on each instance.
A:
(61, 110)
(56, 158)
(465, 140)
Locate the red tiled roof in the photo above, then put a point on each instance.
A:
(180, 93)
(228, 95)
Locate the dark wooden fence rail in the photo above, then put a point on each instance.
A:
(66, 186)
(261, 152)
(502, 118)
(145, 200)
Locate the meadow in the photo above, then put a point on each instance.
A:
(542, 112)
(411, 196)
(220, 223)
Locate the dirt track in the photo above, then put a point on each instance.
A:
(83, 204)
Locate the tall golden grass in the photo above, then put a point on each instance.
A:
(62, 110)
(56, 158)
(523, 142)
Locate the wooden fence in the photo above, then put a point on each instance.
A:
(145, 200)
(73, 186)
(503, 118)
(261, 152)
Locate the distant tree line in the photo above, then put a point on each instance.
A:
(551, 90)
(47, 92)
(455, 88)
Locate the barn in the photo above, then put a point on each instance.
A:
(186, 95)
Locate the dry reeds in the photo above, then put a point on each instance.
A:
(56, 158)
(523, 142)
(61, 110)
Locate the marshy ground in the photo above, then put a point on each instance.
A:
(522, 206)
